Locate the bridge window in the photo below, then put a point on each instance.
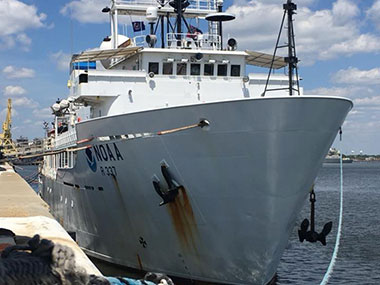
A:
(167, 68)
(195, 69)
(209, 69)
(222, 69)
(181, 68)
(153, 67)
(235, 70)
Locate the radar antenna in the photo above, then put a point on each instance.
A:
(291, 59)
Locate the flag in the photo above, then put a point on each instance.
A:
(138, 26)
(193, 32)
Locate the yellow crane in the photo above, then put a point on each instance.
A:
(6, 136)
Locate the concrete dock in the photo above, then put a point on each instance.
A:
(26, 214)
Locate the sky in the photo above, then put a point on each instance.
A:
(338, 43)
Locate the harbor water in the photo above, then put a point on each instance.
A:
(29, 173)
(358, 260)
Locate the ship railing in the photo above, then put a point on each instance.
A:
(66, 139)
(193, 41)
(194, 4)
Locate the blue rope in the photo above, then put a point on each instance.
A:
(337, 241)
(127, 281)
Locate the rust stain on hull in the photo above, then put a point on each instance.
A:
(118, 191)
(139, 262)
(183, 219)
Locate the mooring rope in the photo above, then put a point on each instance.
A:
(203, 123)
(338, 235)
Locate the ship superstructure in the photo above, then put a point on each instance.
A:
(167, 157)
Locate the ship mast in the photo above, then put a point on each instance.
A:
(291, 59)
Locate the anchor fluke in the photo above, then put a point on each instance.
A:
(168, 195)
(302, 232)
(325, 231)
(312, 236)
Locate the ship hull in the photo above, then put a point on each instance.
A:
(245, 179)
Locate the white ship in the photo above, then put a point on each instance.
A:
(167, 156)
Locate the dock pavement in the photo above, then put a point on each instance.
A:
(26, 214)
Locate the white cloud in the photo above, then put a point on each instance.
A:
(368, 101)
(373, 13)
(24, 40)
(7, 42)
(11, 71)
(362, 127)
(16, 17)
(344, 11)
(61, 59)
(24, 102)
(44, 113)
(363, 43)
(366, 98)
(12, 90)
(21, 41)
(348, 91)
(354, 75)
(86, 11)
(320, 35)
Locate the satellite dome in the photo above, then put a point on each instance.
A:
(151, 14)
(107, 44)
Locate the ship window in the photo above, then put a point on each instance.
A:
(195, 69)
(167, 68)
(153, 67)
(209, 69)
(181, 68)
(222, 69)
(235, 70)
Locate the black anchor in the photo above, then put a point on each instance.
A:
(173, 187)
(312, 235)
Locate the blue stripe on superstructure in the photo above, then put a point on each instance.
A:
(84, 65)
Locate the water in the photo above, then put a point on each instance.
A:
(28, 172)
(358, 259)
